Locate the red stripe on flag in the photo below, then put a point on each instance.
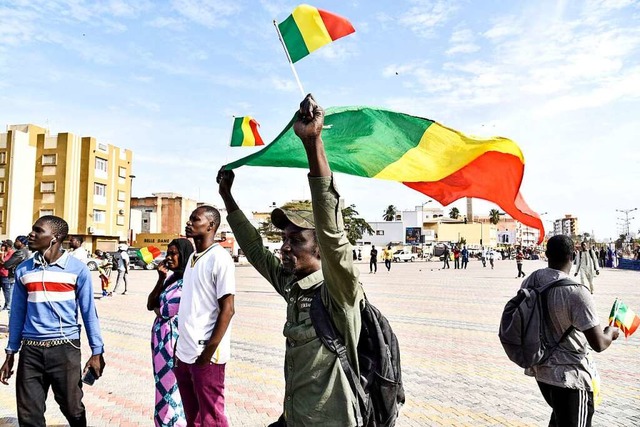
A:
(336, 25)
(50, 287)
(634, 325)
(254, 130)
(493, 176)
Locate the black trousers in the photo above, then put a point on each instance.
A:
(571, 407)
(57, 367)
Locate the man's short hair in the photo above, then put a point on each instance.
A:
(58, 225)
(212, 214)
(78, 238)
(560, 248)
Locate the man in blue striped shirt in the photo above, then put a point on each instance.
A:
(50, 288)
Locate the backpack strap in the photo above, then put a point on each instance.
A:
(330, 337)
(543, 294)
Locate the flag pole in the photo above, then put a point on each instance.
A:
(293, 69)
(616, 305)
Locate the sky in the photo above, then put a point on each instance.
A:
(165, 78)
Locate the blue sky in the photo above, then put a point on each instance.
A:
(164, 79)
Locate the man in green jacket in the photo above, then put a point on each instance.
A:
(315, 250)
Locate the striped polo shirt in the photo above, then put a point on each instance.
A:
(47, 299)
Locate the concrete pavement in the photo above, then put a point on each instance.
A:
(454, 369)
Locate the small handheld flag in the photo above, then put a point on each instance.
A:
(245, 132)
(148, 253)
(309, 28)
(624, 318)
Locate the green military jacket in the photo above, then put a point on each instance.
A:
(317, 391)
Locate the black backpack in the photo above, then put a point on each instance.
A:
(522, 326)
(379, 389)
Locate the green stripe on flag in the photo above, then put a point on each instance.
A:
(348, 137)
(293, 39)
(237, 136)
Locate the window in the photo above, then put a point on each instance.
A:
(101, 164)
(120, 220)
(121, 196)
(99, 216)
(122, 172)
(44, 212)
(3, 157)
(1, 186)
(379, 232)
(48, 187)
(99, 190)
(102, 147)
(48, 159)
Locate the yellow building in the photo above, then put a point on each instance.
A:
(86, 182)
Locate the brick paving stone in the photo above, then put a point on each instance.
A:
(454, 368)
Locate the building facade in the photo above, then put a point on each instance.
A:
(567, 225)
(86, 182)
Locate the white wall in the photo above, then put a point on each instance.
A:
(20, 185)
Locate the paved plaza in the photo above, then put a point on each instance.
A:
(455, 371)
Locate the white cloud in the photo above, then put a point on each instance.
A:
(462, 41)
(210, 13)
(425, 16)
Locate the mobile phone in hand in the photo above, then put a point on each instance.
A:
(89, 377)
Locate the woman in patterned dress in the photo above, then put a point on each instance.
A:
(164, 300)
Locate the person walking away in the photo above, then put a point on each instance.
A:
(464, 256)
(373, 261)
(5, 281)
(204, 322)
(315, 252)
(483, 256)
(20, 254)
(566, 378)
(586, 265)
(446, 256)
(387, 256)
(603, 257)
(122, 261)
(519, 260)
(164, 301)
(51, 288)
(492, 257)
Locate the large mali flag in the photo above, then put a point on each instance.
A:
(624, 318)
(148, 253)
(245, 132)
(309, 28)
(424, 155)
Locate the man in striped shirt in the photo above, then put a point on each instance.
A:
(50, 288)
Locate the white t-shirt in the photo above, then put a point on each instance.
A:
(80, 253)
(208, 277)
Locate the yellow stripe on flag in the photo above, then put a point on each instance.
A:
(249, 139)
(441, 152)
(311, 27)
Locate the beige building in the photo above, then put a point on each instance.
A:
(86, 182)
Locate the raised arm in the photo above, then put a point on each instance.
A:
(341, 277)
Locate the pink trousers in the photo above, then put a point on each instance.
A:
(202, 391)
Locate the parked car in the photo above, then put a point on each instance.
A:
(402, 255)
(159, 260)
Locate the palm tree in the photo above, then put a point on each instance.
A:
(494, 216)
(454, 213)
(389, 214)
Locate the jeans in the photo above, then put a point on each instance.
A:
(57, 367)
(123, 274)
(7, 290)
(202, 392)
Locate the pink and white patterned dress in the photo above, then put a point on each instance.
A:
(164, 334)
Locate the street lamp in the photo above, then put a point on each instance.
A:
(131, 177)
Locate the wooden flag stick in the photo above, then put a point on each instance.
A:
(293, 69)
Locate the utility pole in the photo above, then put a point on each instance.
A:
(626, 220)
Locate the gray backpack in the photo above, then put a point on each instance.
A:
(522, 326)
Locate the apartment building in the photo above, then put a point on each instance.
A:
(86, 182)
(567, 225)
(165, 213)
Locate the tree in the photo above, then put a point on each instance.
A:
(454, 213)
(269, 231)
(354, 225)
(390, 213)
(494, 216)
